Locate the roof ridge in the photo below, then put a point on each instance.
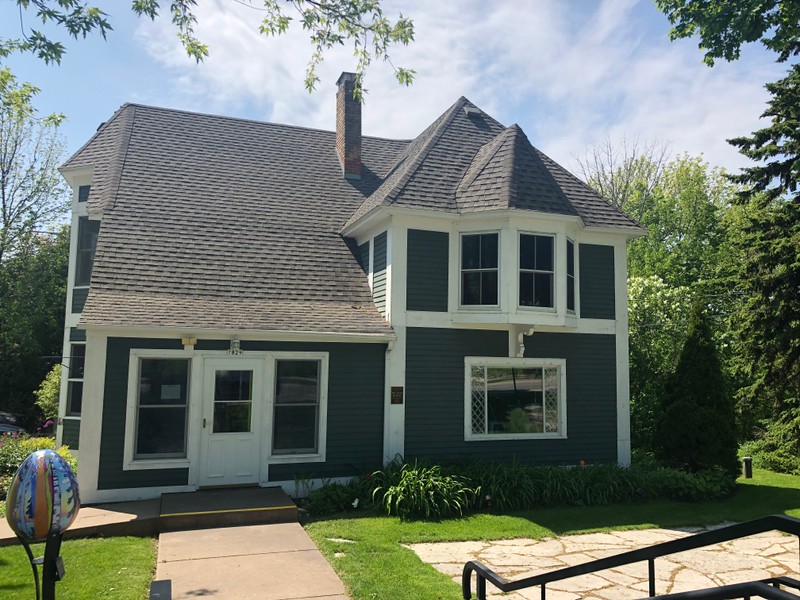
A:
(124, 143)
(471, 175)
(101, 128)
(435, 136)
(247, 120)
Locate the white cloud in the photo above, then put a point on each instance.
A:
(569, 73)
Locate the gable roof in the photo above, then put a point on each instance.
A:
(227, 224)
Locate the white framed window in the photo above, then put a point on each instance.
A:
(88, 230)
(570, 276)
(74, 370)
(537, 270)
(299, 407)
(480, 259)
(515, 398)
(157, 416)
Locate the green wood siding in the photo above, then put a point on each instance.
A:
(71, 433)
(435, 396)
(363, 257)
(77, 335)
(426, 282)
(79, 299)
(354, 417)
(112, 437)
(597, 282)
(379, 272)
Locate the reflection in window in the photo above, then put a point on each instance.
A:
(479, 259)
(514, 400)
(88, 230)
(161, 411)
(233, 401)
(297, 407)
(536, 270)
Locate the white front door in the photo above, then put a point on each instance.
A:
(233, 408)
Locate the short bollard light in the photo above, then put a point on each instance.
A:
(42, 502)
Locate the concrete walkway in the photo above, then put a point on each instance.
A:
(266, 562)
(757, 557)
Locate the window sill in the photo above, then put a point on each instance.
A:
(287, 459)
(144, 464)
(514, 436)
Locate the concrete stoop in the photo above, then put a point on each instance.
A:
(225, 507)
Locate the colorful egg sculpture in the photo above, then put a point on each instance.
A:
(42, 497)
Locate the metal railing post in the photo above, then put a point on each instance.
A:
(651, 571)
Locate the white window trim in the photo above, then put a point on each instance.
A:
(129, 462)
(518, 269)
(322, 432)
(576, 292)
(71, 379)
(493, 361)
(460, 271)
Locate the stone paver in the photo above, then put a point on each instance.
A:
(757, 557)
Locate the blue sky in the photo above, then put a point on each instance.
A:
(571, 73)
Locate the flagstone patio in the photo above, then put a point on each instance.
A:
(757, 557)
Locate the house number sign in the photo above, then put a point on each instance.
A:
(397, 394)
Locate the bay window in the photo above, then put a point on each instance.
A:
(479, 269)
(536, 270)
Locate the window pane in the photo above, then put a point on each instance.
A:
(543, 289)
(570, 293)
(514, 400)
(526, 289)
(478, 378)
(297, 382)
(489, 251)
(74, 398)
(527, 251)
(163, 381)
(570, 258)
(489, 287)
(544, 253)
(470, 251)
(232, 417)
(77, 360)
(295, 429)
(161, 431)
(471, 288)
(87, 242)
(230, 386)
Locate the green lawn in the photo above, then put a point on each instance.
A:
(377, 566)
(119, 568)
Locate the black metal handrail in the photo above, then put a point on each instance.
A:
(782, 523)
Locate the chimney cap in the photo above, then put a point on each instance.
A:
(345, 77)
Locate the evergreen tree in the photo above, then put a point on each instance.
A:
(696, 430)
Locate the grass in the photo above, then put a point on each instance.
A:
(377, 566)
(120, 568)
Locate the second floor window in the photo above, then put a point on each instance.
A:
(87, 242)
(536, 270)
(479, 282)
(570, 276)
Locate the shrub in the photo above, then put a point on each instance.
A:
(47, 394)
(424, 492)
(777, 448)
(334, 498)
(14, 449)
(696, 430)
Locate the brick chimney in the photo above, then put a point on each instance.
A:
(348, 127)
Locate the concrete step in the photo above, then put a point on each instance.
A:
(225, 507)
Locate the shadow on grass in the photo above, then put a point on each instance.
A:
(747, 502)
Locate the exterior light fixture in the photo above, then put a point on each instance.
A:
(236, 348)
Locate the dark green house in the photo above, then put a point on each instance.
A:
(251, 302)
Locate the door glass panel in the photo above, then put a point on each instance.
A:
(233, 400)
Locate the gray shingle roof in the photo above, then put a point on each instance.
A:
(221, 223)
(227, 223)
(469, 163)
